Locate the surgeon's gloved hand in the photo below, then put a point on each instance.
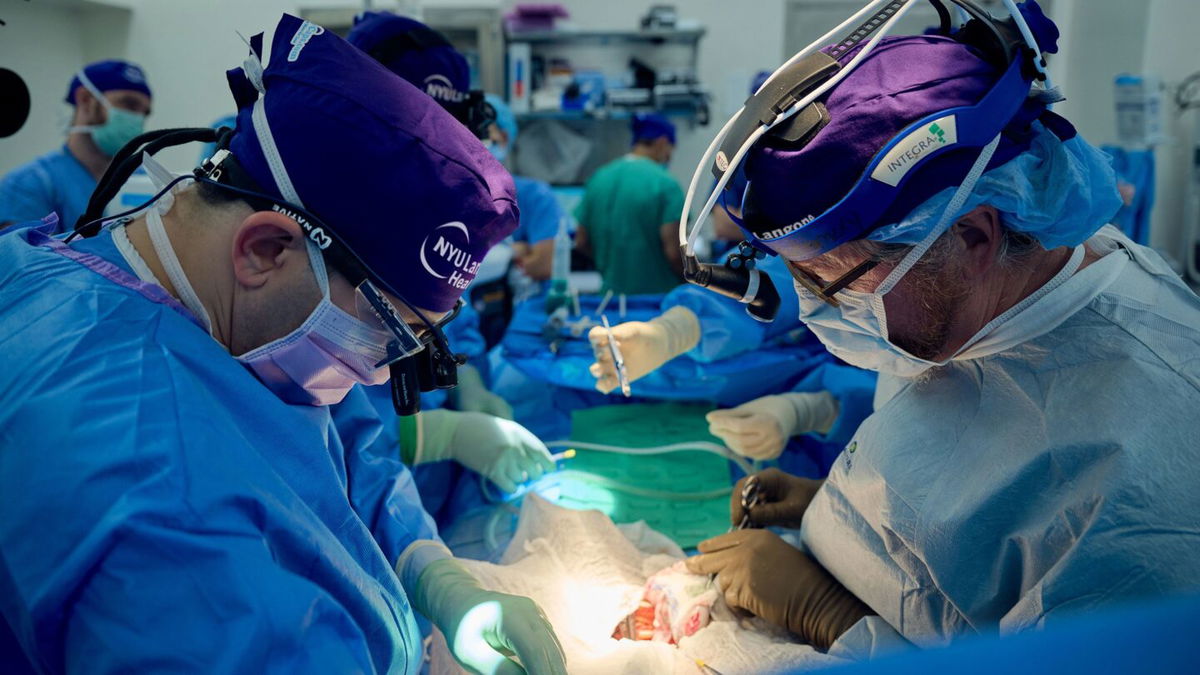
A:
(501, 450)
(764, 575)
(760, 428)
(783, 499)
(484, 628)
(472, 395)
(645, 345)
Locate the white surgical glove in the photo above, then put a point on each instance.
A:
(645, 345)
(501, 450)
(760, 429)
(472, 395)
(483, 628)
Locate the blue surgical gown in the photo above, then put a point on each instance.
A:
(540, 211)
(1055, 477)
(54, 183)
(164, 511)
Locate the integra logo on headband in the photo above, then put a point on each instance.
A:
(317, 234)
(910, 150)
(444, 255)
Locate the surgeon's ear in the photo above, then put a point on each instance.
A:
(979, 233)
(87, 109)
(264, 245)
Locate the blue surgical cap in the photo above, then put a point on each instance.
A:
(1059, 192)
(504, 118)
(415, 52)
(650, 127)
(327, 127)
(109, 76)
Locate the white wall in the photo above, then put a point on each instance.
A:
(1173, 52)
(42, 44)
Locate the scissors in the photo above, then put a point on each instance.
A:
(618, 360)
(751, 497)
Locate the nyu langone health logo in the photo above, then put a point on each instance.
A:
(916, 146)
(440, 88)
(444, 254)
(307, 31)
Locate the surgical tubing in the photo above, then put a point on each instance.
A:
(702, 446)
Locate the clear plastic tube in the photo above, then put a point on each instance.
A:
(702, 446)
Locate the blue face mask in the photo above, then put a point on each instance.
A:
(500, 152)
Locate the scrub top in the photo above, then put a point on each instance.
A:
(623, 210)
(54, 183)
(540, 211)
(163, 510)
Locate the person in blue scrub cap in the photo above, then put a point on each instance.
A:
(507, 453)
(541, 212)
(181, 491)
(110, 100)
(1034, 448)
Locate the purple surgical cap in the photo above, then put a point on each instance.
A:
(110, 76)
(649, 127)
(415, 52)
(398, 179)
(904, 79)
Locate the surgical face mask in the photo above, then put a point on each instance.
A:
(120, 127)
(856, 331)
(319, 361)
(315, 364)
(500, 152)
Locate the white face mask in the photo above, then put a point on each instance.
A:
(857, 330)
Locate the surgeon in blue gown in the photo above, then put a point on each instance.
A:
(179, 493)
(109, 103)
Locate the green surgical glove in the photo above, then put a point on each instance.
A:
(764, 575)
(498, 449)
(483, 628)
(472, 395)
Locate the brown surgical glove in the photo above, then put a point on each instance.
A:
(764, 575)
(783, 500)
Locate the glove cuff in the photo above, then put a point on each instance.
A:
(470, 383)
(433, 435)
(831, 610)
(815, 412)
(681, 328)
(439, 591)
